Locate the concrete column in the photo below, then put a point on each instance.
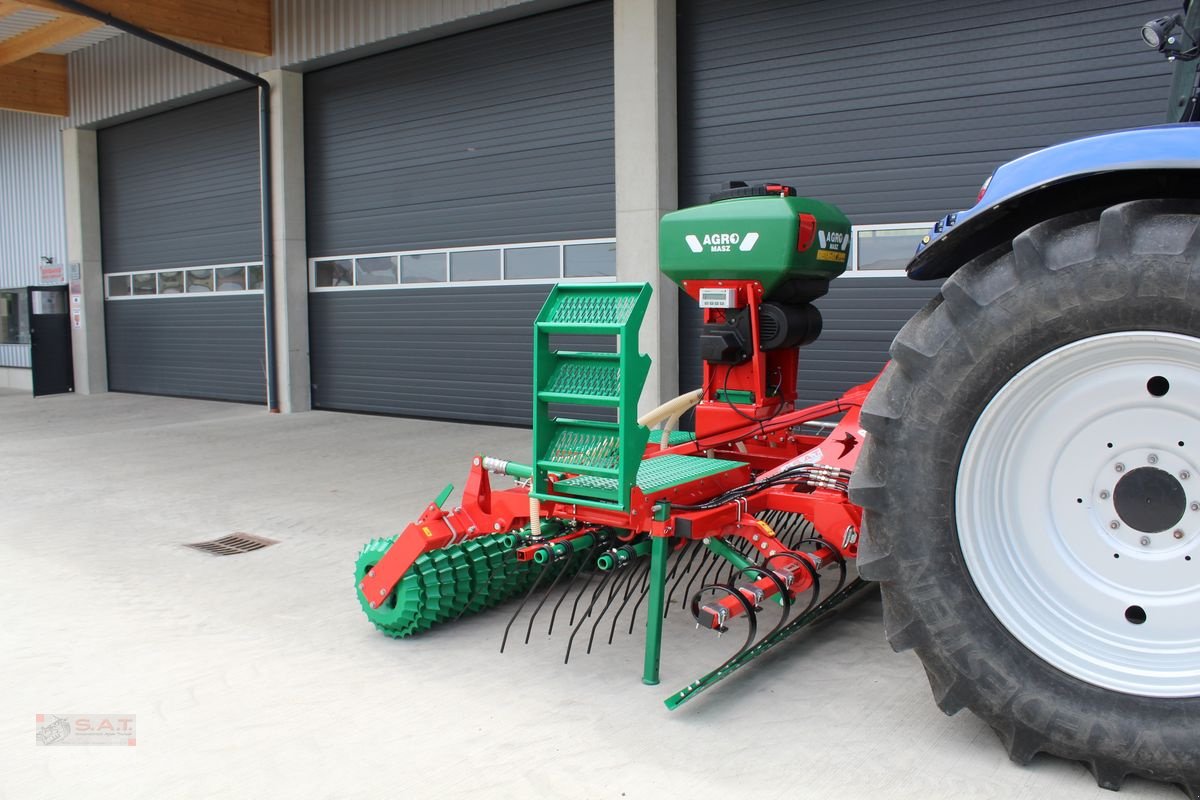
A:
(81, 191)
(647, 173)
(290, 241)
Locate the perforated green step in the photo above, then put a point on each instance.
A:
(604, 308)
(586, 378)
(654, 475)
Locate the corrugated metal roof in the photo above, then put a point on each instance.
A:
(88, 39)
(21, 21)
(28, 19)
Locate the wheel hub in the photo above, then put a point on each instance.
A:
(1078, 510)
(1149, 499)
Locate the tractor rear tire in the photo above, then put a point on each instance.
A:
(1031, 491)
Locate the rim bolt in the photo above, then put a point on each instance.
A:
(1195, 506)
(1114, 524)
(1104, 494)
(1153, 459)
(1145, 541)
(1184, 475)
(1119, 467)
(1178, 534)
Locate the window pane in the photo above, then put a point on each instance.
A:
(170, 282)
(475, 265)
(523, 263)
(14, 322)
(375, 271)
(887, 249)
(231, 279)
(427, 268)
(339, 272)
(143, 283)
(119, 286)
(200, 280)
(589, 260)
(254, 277)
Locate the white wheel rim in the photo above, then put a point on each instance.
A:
(1035, 511)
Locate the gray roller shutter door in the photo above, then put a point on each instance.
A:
(896, 111)
(494, 136)
(180, 189)
(207, 347)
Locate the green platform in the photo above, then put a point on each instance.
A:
(654, 475)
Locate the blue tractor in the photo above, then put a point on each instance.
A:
(1031, 482)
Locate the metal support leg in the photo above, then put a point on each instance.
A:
(660, 549)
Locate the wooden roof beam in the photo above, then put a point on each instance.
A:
(37, 84)
(43, 37)
(243, 25)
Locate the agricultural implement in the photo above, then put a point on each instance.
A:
(1022, 480)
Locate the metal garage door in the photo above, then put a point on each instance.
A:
(896, 111)
(448, 184)
(181, 235)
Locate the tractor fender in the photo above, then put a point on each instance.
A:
(1099, 171)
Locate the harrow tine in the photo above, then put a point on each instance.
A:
(630, 573)
(587, 559)
(582, 589)
(564, 568)
(595, 596)
(812, 572)
(633, 614)
(645, 570)
(819, 542)
(750, 614)
(532, 588)
(716, 564)
(708, 555)
(696, 548)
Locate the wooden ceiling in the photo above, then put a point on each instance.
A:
(34, 80)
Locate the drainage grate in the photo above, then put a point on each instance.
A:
(233, 544)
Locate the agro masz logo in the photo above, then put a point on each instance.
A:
(721, 242)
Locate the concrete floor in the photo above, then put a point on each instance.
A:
(256, 676)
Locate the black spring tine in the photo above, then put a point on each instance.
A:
(564, 568)
(818, 541)
(716, 564)
(595, 596)
(783, 595)
(708, 554)
(616, 585)
(630, 572)
(812, 572)
(750, 615)
(582, 589)
(696, 548)
(645, 570)
(633, 614)
(587, 559)
(532, 589)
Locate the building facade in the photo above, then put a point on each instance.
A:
(437, 166)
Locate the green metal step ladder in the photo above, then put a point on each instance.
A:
(604, 455)
(604, 459)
